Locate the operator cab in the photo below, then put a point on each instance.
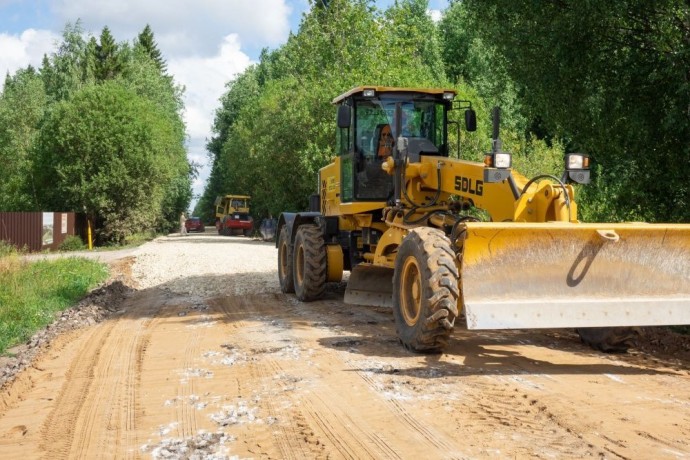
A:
(371, 120)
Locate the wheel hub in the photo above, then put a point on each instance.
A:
(411, 295)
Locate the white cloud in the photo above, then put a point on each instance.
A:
(184, 27)
(19, 51)
(204, 79)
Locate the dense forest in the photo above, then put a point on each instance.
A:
(608, 78)
(96, 129)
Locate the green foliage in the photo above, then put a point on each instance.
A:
(31, 293)
(611, 77)
(107, 151)
(71, 67)
(412, 41)
(147, 41)
(137, 239)
(473, 60)
(98, 128)
(276, 126)
(6, 249)
(72, 243)
(22, 105)
(108, 63)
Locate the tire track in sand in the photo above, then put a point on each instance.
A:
(329, 394)
(95, 413)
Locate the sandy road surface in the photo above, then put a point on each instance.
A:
(207, 359)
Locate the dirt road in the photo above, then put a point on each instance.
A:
(217, 363)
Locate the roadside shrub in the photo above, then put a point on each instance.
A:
(7, 249)
(72, 243)
(10, 262)
(137, 239)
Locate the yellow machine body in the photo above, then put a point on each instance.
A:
(530, 264)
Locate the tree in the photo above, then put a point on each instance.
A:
(470, 59)
(612, 78)
(146, 40)
(276, 128)
(108, 60)
(413, 40)
(70, 68)
(22, 106)
(108, 151)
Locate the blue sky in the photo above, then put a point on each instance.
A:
(205, 42)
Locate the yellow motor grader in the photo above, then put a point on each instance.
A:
(439, 238)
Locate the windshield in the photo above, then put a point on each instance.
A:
(376, 127)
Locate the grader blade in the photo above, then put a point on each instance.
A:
(550, 275)
(370, 285)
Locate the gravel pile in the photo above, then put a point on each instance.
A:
(207, 265)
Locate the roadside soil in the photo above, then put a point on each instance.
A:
(191, 351)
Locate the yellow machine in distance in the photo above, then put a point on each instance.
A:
(232, 215)
(393, 208)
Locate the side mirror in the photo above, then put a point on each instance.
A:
(470, 120)
(344, 115)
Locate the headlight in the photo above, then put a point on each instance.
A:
(502, 160)
(577, 168)
(368, 93)
(448, 96)
(576, 161)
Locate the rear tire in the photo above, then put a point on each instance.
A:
(285, 273)
(310, 263)
(609, 339)
(425, 291)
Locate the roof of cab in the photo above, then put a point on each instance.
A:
(392, 89)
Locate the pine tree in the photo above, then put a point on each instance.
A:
(108, 64)
(146, 40)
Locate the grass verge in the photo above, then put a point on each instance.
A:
(32, 292)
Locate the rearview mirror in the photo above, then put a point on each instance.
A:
(470, 120)
(344, 116)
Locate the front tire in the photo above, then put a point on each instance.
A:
(285, 273)
(310, 263)
(425, 291)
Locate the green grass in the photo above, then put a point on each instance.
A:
(32, 292)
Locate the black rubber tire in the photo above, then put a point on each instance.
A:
(285, 268)
(310, 263)
(425, 291)
(247, 232)
(609, 339)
